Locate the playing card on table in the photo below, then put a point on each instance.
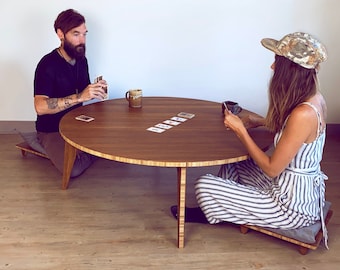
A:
(186, 115)
(171, 122)
(84, 118)
(155, 129)
(179, 119)
(163, 126)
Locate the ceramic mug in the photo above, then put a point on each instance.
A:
(134, 97)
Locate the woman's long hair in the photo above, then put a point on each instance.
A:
(290, 85)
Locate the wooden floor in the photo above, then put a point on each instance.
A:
(116, 216)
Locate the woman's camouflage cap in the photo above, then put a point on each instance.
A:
(299, 47)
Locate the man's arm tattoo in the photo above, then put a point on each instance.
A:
(78, 97)
(52, 103)
(67, 102)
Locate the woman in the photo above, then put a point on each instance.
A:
(285, 190)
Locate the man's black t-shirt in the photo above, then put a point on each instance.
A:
(56, 78)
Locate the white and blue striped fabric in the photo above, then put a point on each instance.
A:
(243, 194)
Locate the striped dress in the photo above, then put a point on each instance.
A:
(243, 194)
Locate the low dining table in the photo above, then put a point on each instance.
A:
(121, 133)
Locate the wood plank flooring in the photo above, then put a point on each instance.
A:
(116, 216)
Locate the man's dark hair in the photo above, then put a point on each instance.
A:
(67, 20)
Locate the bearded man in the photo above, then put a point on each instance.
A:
(61, 84)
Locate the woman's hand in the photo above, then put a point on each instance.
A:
(233, 122)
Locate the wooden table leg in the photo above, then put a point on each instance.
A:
(181, 177)
(69, 157)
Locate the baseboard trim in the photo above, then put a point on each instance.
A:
(12, 127)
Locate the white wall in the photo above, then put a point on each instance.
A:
(206, 49)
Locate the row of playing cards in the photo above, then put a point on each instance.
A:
(169, 123)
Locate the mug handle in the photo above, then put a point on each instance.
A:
(127, 95)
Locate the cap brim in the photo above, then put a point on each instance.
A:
(271, 44)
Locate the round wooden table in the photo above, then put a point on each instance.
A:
(120, 133)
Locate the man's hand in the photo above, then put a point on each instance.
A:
(46, 105)
(93, 91)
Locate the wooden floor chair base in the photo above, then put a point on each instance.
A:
(302, 247)
(25, 148)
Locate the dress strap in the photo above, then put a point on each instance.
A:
(317, 114)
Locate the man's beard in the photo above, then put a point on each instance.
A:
(75, 52)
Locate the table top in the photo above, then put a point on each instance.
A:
(120, 133)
